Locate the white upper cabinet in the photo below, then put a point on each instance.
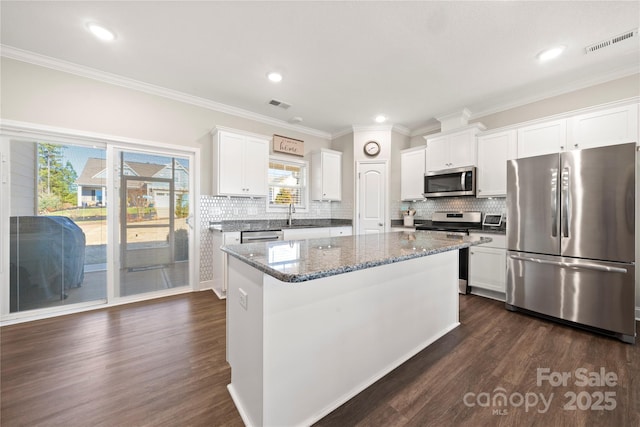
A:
(326, 175)
(453, 150)
(412, 169)
(542, 138)
(607, 127)
(493, 152)
(240, 164)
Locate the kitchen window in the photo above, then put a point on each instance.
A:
(287, 184)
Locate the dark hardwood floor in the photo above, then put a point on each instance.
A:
(162, 363)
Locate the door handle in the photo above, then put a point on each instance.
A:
(462, 181)
(261, 238)
(380, 224)
(565, 202)
(554, 202)
(588, 266)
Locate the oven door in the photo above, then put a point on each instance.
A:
(450, 182)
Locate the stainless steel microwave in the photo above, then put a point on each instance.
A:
(450, 182)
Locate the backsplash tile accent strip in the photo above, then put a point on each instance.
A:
(426, 208)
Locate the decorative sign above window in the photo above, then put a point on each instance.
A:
(282, 144)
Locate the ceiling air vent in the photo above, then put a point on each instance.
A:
(280, 104)
(611, 41)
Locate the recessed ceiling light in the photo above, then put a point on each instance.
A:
(552, 53)
(274, 77)
(101, 32)
(381, 119)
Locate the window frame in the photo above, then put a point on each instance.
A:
(305, 188)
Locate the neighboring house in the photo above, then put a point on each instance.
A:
(92, 189)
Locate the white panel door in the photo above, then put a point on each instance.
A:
(372, 198)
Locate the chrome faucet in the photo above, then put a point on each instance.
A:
(292, 210)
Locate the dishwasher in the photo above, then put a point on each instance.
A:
(261, 236)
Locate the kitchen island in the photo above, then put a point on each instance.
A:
(311, 323)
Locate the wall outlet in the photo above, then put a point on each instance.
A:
(215, 211)
(244, 298)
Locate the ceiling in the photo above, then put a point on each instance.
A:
(343, 62)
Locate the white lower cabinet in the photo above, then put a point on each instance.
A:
(341, 231)
(219, 260)
(488, 264)
(316, 232)
(306, 233)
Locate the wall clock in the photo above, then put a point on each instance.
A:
(372, 148)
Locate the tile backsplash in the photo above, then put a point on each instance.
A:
(426, 208)
(224, 208)
(214, 208)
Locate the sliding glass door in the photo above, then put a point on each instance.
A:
(86, 224)
(154, 213)
(58, 222)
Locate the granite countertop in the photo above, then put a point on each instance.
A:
(398, 223)
(276, 224)
(491, 230)
(302, 260)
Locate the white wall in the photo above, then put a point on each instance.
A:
(346, 206)
(36, 94)
(398, 143)
(615, 90)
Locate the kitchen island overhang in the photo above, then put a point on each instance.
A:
(349, 310)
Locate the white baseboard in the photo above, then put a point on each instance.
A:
(499, 296)
(206, 284)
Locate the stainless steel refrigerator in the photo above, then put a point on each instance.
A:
(571, 237)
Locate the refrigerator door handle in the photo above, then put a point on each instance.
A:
(554, 202)
(566, 200)
(588, 266)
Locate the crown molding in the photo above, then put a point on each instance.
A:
(343, 132)
(572, 87)
(426, 130)
(565, 115)
(372, 128)
(402, 130)
(114, 79)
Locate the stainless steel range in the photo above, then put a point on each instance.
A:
(456, 224)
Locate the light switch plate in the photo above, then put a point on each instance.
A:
(244, 298)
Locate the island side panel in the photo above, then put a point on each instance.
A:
(328, 339)
(244, 340)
